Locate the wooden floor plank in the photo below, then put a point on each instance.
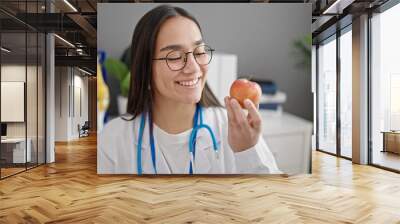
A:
(70, 191)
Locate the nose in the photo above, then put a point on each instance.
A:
(191, 64)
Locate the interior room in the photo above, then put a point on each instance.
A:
(22, 100)
(334, 130)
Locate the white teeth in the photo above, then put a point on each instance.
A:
(189, 83)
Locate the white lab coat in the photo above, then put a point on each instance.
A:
(117, 150)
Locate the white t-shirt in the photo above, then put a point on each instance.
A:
(173, 148)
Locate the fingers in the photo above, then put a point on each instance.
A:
(254, 115)
(237, 117)
(239, 114)
(231, 118)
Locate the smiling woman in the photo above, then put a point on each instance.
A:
(174, 124)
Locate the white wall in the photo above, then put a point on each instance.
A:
(16, 73)
(222, 72)
(12, 100)
(34, 124)
(80, 94)
(61, 103)
(71, 87)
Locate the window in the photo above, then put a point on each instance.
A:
(385, 87)
(346, 92)
(327, 95)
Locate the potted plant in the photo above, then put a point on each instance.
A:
(302, 48)
(120, 71)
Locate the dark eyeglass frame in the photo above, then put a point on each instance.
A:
(186, 56)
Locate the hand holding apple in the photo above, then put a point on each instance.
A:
(243, 130)
(242, 89)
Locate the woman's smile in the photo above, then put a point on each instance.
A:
(190, 83)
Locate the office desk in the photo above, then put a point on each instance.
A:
(391, 141)
(13, 150)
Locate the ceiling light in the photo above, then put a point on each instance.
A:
(84, 71)
(338, 6)
(5, 49)
(335, 7)
(65, 41)
(331, 7)
(70, 5)
(79, 51)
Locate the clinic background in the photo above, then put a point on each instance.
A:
(260, 35)
(254, 41)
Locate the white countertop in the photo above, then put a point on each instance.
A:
(13, 140)
(284, 123)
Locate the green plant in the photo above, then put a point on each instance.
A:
(120, 71)
(302, 49)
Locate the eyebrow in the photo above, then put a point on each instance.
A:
(178, 47)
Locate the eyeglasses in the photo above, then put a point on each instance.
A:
(176, 60)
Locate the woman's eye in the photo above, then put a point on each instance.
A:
(174, 59)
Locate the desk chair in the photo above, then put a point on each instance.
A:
(84, 130)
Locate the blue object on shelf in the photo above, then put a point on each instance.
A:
(269, 106)
(267, 86)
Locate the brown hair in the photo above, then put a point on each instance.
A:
(140, 96)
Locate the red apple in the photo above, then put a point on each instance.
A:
(242, 89)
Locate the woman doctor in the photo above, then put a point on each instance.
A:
(174, 124)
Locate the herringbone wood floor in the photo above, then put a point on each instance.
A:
(70, 191)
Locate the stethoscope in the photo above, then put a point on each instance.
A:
(197, 125)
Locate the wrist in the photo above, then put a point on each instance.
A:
(241, 146)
